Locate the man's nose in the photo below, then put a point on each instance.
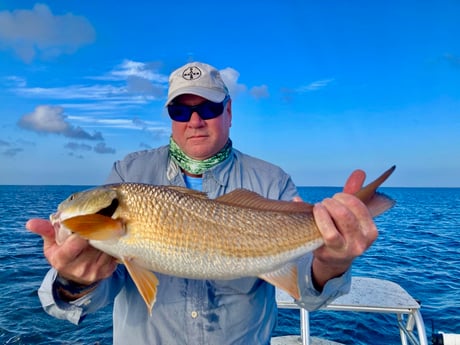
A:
(195, 120)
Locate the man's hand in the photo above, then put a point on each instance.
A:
(347, 228)
(75, 259)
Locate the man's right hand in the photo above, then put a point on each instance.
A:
(75, 259)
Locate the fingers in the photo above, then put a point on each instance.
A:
(85, 264)
(78, 261)
(331, 236)
(41, 227)
(354, 182)
(354, 214)
(72, 248)
(75, 259)
(346, 226)
(352, 218)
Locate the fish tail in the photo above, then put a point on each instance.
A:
(376, 202)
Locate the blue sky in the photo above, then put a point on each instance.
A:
(319, 87)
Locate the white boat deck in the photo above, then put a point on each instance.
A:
(366, 295)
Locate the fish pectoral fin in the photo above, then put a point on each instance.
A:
(285, 279)
(145, 281)
(95, 227)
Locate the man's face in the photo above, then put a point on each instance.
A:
(198, 138)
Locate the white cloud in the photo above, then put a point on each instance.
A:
(45, 119)
(76, 92)
(155, 129)
(12, 149)
(259, 91)
(51, 119)
(230, 77)
(73, 146)
(314, 86)
(103, 148)
(120, 123)
(130, 68)
(39, 32)
(141, 78)
(124, 90)
(289, 93)
(16, 81)
(142, 86)
(129, 84)
(12, 152)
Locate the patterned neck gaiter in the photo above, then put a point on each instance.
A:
(195, 166)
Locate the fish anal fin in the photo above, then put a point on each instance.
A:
(95, 227)
(145, 281)
(285, 279)
(246, 198)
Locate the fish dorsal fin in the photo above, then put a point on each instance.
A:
(95, 227)
(145, 281)
(246, 198)
(285, 279)
(188, 191)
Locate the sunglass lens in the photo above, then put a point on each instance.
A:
(179, 112)
(210, 110)
(207, 110)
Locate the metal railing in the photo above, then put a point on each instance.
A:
(374, 296)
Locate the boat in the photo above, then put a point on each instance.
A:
(370, 295)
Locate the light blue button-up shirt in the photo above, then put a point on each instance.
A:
(187, 311)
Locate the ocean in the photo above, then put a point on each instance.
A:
(418, 248)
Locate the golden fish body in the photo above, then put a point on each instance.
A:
(181, 232)
(177, 231)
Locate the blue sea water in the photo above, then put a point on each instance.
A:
(418, 248)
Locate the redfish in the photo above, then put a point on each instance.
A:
(181, 232)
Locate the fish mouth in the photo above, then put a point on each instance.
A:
(61, 233)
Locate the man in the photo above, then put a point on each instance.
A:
(200, 156)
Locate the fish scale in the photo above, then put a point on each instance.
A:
(242, 232)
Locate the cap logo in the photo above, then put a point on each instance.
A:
(191, 73)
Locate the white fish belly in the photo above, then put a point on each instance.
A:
(198, 265)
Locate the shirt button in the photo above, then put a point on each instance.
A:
(194, 314)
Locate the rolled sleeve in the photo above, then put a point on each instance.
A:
(312, 299)
(73, 311)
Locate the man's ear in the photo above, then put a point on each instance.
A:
(229, 111)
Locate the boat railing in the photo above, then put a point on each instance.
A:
(374, 296)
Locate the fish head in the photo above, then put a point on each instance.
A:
(100, 203)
